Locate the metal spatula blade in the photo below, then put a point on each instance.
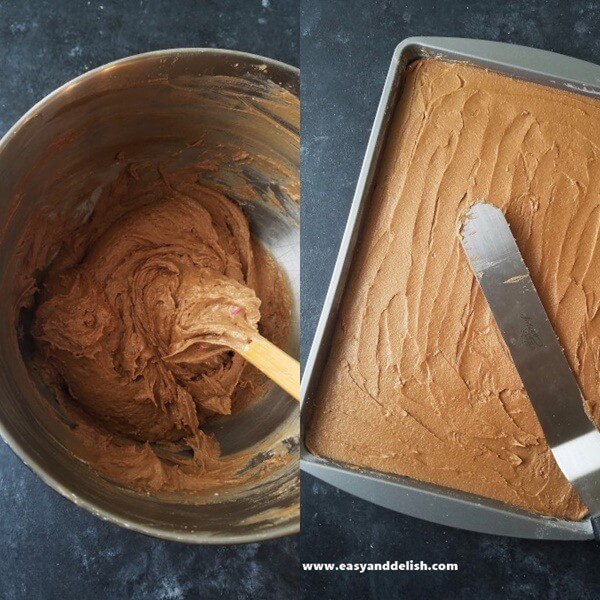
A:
(536, 352)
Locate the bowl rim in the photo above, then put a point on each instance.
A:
(157, 531)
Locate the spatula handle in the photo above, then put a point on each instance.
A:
(275, 364)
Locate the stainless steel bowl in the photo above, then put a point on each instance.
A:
(154, 105)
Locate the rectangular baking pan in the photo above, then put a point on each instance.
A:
(427, 501)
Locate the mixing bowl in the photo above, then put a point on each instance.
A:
(180, 105)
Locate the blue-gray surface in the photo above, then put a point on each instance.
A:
(346, 47)
(49, 548)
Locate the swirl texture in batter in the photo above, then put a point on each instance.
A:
(138, 319)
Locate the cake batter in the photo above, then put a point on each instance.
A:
(138, 317)
(419, 381)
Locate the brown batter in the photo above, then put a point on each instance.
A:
(419, 382)
(137, 319)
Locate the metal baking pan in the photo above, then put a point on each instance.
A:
(402, 494)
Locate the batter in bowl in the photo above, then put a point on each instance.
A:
(138, 317)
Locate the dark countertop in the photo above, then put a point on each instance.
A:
(49, 547)
(346, 50)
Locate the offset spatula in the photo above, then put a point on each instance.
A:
(536, 352)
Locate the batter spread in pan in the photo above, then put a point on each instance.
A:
(419, 381)
(137, 318)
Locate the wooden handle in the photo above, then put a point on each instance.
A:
(275, 364)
